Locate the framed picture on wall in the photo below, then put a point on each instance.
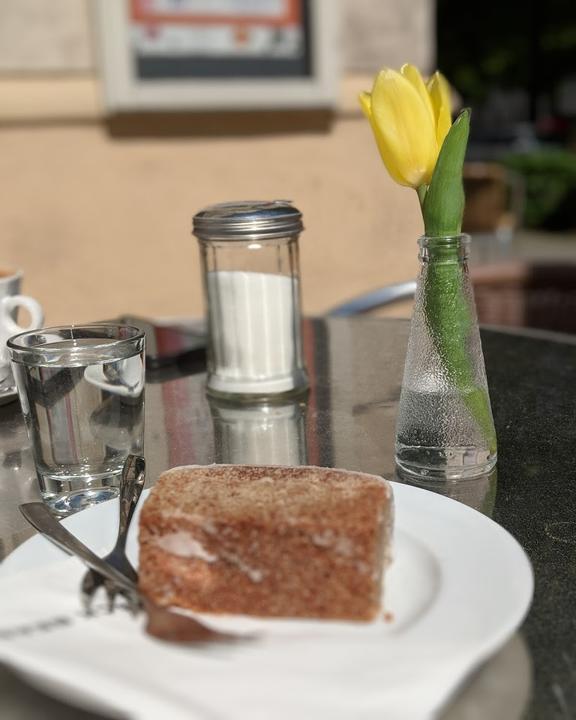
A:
(210, 55)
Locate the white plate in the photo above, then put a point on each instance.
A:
(458, 588)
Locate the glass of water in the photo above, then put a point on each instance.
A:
(81, 390)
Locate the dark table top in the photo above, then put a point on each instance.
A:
(348, 420)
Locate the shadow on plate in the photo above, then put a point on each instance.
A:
(500, 689)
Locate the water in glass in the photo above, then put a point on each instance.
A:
(83, 420)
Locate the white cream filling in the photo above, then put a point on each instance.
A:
(183, 544)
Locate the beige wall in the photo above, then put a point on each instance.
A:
(102, 226)
(45, 36)
(388, 32)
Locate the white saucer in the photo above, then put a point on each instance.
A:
(8, 392)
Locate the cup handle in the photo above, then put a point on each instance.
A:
(12, 302)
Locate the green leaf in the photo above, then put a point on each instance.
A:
(444, 202)
(450, 322)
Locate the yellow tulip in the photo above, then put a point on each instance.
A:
(410, 120)
(439, 91)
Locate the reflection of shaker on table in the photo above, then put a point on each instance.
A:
(259, 433)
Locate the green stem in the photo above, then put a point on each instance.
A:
(450, 321)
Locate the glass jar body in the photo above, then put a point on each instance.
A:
(445, 429)
(252, 297)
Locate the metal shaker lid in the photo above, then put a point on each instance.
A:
(247, 219)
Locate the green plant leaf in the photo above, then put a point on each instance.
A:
(450, 322)
(444, 202)
(548, 178)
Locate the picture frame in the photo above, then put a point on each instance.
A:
(213, 55)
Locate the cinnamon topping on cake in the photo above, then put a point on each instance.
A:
(268, 541)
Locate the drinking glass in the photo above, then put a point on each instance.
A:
(81, 390)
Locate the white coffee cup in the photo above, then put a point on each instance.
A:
(10, 301)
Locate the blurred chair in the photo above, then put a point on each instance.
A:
(513, 294)
(382, 297)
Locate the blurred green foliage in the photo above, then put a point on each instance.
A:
(549, 178)
(506, 44)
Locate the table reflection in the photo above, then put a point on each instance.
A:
(259, 433)
(478, 493)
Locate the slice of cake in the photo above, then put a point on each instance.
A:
(268, 541)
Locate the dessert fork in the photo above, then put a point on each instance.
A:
(131, 484)
(162, 623)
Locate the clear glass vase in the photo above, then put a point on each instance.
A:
(445, 429)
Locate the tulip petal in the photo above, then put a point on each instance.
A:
(444, 89)
(389, 159)
(404, 130)
(366, 103)
(439, 90)
(412, 74)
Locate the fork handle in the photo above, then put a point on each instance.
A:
(40, 517)
(133, 477)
